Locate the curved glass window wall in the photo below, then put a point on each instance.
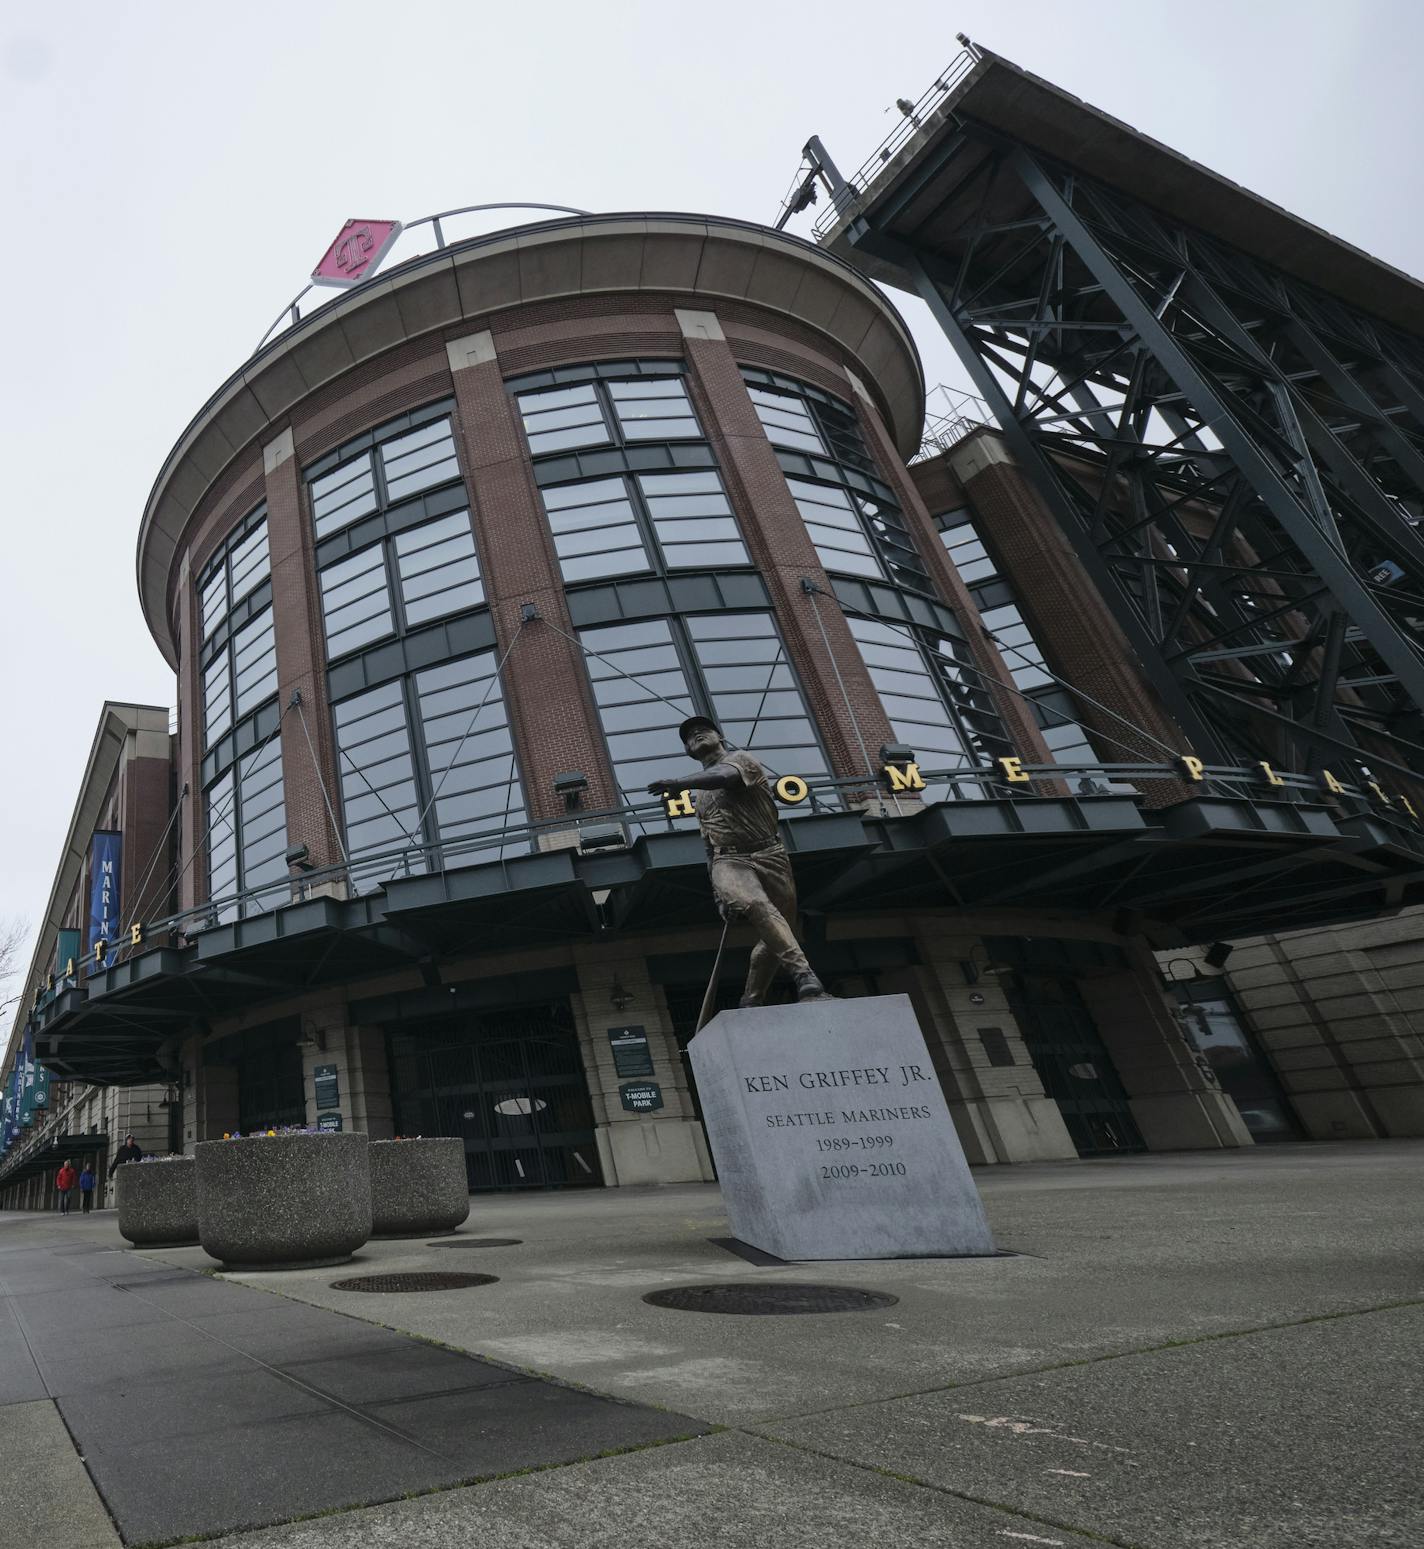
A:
(650, 676)
(404, 458)
(614, 403)
(238, 660)
(247, 833)
(421, 573)
(640, 522)
(1053, 707)
(427, 760)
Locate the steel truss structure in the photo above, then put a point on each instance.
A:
(1237, 458)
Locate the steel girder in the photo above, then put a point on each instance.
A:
(1238, 459)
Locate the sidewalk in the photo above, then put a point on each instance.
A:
(1187, 1352)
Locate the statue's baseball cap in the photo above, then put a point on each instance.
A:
(696, 723)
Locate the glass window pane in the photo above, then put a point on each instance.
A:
(343, 495)
(438, 568)
(254, 663)
(560, 417)
(380, 804)
(214, 601)
(786, 420)
(419, 460)
(355, 601)
(250, 562)
(595, 529)
(474, 775)
(217, 696)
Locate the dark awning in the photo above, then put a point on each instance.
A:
(1203, 870)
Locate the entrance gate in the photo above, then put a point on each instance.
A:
(510, 1084)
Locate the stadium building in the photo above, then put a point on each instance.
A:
(1083, 739)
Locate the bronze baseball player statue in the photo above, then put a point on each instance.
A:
(751, 874)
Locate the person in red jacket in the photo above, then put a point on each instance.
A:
(64, 1181)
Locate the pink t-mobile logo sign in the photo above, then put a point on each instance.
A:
(357, 252)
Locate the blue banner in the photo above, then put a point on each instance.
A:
(25, 1066)
(12, 1106)
(106, 860)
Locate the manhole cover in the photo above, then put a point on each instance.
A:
(434, 1281)
(478, 1242)
(770, 1300)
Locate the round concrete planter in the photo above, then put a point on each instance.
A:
(158, 1203)
(284, 1201)
(418, 1187)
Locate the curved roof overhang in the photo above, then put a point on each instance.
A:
(462, 285)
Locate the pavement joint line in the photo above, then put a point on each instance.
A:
(1017, 1512)
(1096, 1360)
(296, 1382)
(444, 1489)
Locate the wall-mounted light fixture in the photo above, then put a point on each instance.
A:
(313, 1037)
(571, 784)
(620, 997)
(603, 836)
(977, 965)
(297, 856)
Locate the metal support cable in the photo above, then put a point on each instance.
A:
(158, 851)
(316, 769)
(814, 593)
(223, 816)
(459, 746)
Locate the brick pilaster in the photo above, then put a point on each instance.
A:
(551, 711)
(779, 543)
(301, 666)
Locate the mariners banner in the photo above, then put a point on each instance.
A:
(66, 951)
(106, 860)
(25, 1067)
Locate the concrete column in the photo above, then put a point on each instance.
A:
(362, 1071)
(216, 1112)
(663, 1147)
(1001, 1111)
(550, 704)
(1173, 1095)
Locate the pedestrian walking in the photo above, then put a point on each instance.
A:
(130, 1151)
(64, 1181)
(86, 1188)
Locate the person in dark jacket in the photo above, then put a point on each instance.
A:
(86, 1187)
(130, 1151)
(64, 1181)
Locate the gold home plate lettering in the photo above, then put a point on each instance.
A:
(1028, 1428)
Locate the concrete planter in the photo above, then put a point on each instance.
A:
(418, 1187)
(284, 1201)
(158, 1203)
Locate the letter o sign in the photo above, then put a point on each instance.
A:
(792, 789)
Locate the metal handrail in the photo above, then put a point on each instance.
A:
(291, 313)
(850, 198)
(825, 796)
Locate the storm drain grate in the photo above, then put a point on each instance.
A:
(769, 1300)
(429, 1281)
(478, 1242)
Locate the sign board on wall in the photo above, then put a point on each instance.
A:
(330, 1122)
(631, 1054)
(328, 1093)
(641, 1096)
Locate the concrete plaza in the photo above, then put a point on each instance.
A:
(1181, 1352)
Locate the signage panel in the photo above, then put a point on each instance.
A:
(631, 1054)
(106, 861)
(328, 1094)
(641, 1096)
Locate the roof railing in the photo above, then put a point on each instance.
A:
(913, 118)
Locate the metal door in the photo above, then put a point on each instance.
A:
(511, 1085)
(1072, 1062)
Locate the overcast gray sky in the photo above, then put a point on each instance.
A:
(172, 172)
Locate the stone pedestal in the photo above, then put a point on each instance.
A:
(831, 1135)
